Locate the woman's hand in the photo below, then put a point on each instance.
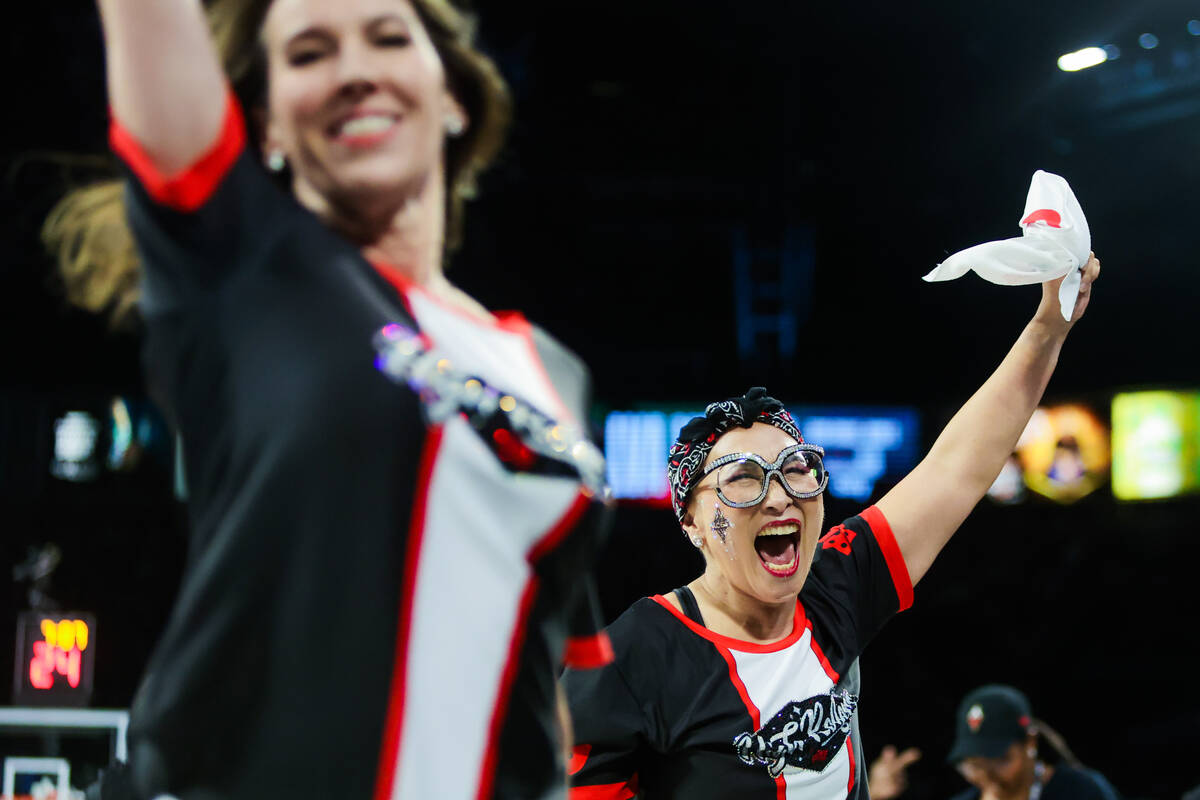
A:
(1049, 310)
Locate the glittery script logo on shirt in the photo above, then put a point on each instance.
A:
(806, 734)
(517, 432)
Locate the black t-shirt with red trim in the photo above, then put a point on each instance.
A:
(686, 713)
(1066, 783)
(392, 512)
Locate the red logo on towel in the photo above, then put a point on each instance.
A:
(1046, 215)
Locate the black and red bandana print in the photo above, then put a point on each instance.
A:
(685, 461)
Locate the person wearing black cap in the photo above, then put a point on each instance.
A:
(744, 683)
(996, 751)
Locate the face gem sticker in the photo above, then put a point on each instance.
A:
(720, 524)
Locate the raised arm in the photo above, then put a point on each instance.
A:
(928, 505)
(165, 83)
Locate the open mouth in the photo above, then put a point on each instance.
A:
(778, 547)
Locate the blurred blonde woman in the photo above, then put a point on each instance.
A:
(392, 504)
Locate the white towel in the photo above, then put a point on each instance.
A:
(1054, 241)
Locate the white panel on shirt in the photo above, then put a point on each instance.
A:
(481, 520)
(775, 679)
(503, 359)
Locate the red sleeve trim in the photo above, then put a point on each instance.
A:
(891, 554)
(589, 652)
(603, 791)
(190, 188)
(579, 757)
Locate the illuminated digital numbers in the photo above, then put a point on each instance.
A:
(60, 652)
(55, 656)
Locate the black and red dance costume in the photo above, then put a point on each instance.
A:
(683, 712)
(392, 512)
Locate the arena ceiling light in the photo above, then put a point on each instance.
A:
(1082, 59)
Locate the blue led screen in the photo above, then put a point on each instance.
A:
(863, 445)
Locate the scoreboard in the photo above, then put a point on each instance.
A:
(55, 657)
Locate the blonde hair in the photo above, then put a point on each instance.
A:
(87, 232)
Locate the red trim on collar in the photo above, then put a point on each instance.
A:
(190, 188)
(891, 554)
(511, 321)
(799, 626)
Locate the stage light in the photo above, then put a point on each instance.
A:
(1064, 452)
(1009, 486)
(122, 435)
(1148, 41)
(1193, 27)
(75, 439)
(1156, 444)
(1082, 59)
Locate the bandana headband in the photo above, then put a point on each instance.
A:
(685, 461)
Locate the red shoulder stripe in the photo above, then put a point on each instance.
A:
(192, 187)
(589, 652)
(891, 554)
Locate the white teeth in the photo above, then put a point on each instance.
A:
(780, 530)
(365, 126)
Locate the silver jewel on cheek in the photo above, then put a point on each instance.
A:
(720, 524)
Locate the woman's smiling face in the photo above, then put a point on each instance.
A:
(358, 98)
(767, 548)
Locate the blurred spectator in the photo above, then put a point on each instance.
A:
(996, 751)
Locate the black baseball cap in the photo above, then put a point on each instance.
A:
(990, 719)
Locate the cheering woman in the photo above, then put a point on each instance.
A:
(391, 501)
(743, 683)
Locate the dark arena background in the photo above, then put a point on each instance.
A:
(699, 197)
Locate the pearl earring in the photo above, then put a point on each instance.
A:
(454, 125)
(275, 161)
